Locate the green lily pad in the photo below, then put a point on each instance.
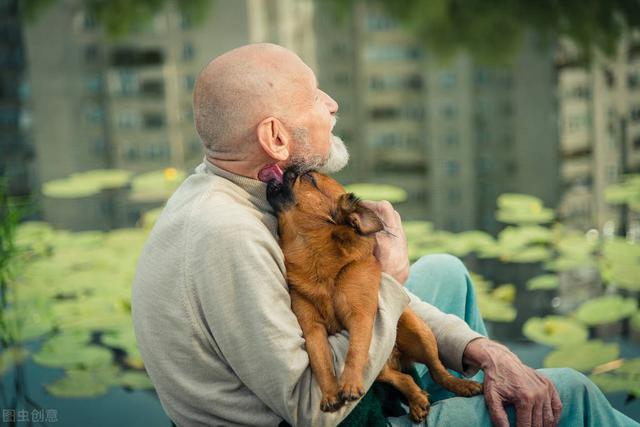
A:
(135, 380)
(555, 331)
(73, 356)
(582, 357)
(156, 185)
(606, 309)
(522, 209)
(496, 310)
(84, 383)
(85, 184)
(543, 282)
(627, 192)
(377, 192)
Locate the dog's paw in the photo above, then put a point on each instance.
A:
(331, 402)
(351, 390)
(468, 388)
(419, 406)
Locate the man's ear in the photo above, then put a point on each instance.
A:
(273, 139)
(352, 213)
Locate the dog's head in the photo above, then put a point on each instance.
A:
(312, 201)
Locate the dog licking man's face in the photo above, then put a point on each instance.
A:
(311, 200)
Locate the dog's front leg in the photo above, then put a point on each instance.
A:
(356, 301)
(317, 344)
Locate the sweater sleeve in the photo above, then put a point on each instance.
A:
(451, 332)
(238, 275)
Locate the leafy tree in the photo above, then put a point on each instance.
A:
(121, 17)
(492, 30)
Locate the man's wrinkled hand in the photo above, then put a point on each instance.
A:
(391, 244)
(508, 380)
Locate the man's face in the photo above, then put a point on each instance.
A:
(315, 146)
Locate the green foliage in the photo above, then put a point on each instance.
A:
(583, 356)
(493, 30)
(122, 18)
(606, 309)
(495, 303)
(627, 192)
(554, 331)
(389, 193)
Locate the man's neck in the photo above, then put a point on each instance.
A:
(242, 167)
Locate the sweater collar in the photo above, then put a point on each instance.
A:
(256, 191)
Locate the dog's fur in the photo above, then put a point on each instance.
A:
(328, 239)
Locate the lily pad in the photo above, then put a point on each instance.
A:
(156, 185)
(522, 209)
(543, 282)
(555, 331)
(582, 357)
(84, 383)
(73, 356)
(625, 378)
(606, 309)
(85, 184)
(135, 380)
(377, 192)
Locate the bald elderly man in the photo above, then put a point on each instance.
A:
(210, 303)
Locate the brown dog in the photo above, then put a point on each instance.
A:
(327, 237)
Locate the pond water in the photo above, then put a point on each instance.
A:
(142, 408)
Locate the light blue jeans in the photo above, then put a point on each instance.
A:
(443, 281)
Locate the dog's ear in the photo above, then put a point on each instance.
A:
(354, 214)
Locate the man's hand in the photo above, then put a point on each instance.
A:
(391, 243)
(508, 380)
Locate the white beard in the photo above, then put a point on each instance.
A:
(338, 156)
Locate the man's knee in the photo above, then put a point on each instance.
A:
(570, 382)
(442, 265)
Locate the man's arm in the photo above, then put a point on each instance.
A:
(508, 380)
(246, 305)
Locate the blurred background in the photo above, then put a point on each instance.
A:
(505, 133)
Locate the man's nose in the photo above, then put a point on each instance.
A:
(332, 105)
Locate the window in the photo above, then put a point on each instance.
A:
(452, 167)
(153, 120)
(448, 111)
(128, 120)
(152, 88)
(391, 53)
(94, 84)
(128, 83)
(91, 53)
(95, 115)
(187, 51)
(379, 23)
(189, 82)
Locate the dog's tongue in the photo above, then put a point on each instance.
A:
(269, 173)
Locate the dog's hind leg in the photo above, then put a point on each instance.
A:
(418, 399)
(317, 346)
(416, 341)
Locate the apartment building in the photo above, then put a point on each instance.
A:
(599, 115)
(454, 134)
(125, 103)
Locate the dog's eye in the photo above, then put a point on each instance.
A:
(311, 179)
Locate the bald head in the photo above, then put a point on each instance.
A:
(238, 89)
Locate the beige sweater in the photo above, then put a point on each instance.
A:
(212, 315)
